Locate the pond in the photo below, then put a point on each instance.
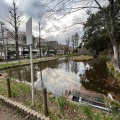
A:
(64, 74)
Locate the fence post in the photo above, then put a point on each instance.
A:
(8, 87)
(45, 102)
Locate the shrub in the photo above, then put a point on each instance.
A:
(116, 74)
(82, 58)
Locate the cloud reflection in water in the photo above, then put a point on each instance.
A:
(58, 80)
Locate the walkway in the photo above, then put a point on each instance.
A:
(27, 60)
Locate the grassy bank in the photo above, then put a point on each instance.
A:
(82, 58)
(71, 55)
(59, 108)
(24, 62)
(116, 74)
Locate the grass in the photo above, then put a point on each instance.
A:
(40, 107)
(62, 103)
(82, 58)
(8, 65)
(59, 108)
(71, 55)
(18, 90)
(92, 114)
(21, 63)
(116, 74)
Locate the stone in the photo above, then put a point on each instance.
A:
(28, 111)
(38, 117)
(47, 118)
(43, 117)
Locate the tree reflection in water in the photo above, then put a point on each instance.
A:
(95, 78)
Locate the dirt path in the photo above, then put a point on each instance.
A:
(7, 113)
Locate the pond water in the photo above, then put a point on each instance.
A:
(65, 74)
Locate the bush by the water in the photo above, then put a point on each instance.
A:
(116, 74)
(82, 58)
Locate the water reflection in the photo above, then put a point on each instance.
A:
(58, 80)
(95, 78)
(64, 74)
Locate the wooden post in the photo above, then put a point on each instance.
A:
(8, 87)
(45, 102)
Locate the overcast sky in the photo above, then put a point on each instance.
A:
(51, 29)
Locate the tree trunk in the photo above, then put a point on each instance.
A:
(16, 32)
(113, 37)
(116, 56)
(17, 51)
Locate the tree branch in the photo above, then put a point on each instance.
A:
(78, 8)
(11, 34)
(100, 7)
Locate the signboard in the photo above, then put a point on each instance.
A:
(30, 42)
(29, 32)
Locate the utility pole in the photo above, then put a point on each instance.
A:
(39, 41)
(2, 31)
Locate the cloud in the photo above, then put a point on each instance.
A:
(49, 25)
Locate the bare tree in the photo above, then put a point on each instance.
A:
(14, 21)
